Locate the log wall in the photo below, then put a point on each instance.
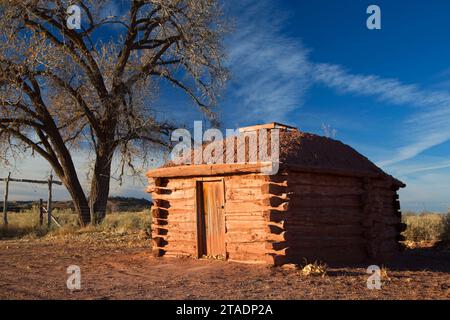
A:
(338, 219)
(174, 217)
(284, 218)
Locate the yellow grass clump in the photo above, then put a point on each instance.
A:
(26, 224)
(316, 269)
(426, 227)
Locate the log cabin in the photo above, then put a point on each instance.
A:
(326, 202)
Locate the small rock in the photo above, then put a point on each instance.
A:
(290, 266)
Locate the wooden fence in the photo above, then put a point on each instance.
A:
(48, 209)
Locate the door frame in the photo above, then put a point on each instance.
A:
(198, 212)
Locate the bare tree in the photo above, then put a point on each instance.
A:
(62, 89)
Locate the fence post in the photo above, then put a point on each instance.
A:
(49, 201)
(92, 212)
(41, 212)
(5, 201)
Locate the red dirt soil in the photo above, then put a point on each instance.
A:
(121, 267)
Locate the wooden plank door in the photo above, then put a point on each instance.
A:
(211, 235)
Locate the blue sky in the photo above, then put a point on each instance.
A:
(310, 63)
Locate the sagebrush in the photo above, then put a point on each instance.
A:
(427, 226)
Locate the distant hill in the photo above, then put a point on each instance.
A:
(115, 204)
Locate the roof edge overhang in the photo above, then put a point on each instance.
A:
(210, 170)
(333, 171)
(260, 168)
(346, 173)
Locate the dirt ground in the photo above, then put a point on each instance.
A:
(121, 267)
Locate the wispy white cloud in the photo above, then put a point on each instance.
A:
(387, 90)
(429, 122)
(269, 70)
(430, 168)
(426, 191)
(272, 72)
(419, 164)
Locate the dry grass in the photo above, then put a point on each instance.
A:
(384, 273)
(26, 224)
(427, 227)
(445, 236)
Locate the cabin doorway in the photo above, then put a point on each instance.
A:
(211, 219)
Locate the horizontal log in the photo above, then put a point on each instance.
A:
(233, 206)
(180, 184)
(188, 236)
(387, 183)
(276, 259)
(245, 217)
(180, 219)
(181, 246)
(329, 256)
(324, 202)
(158, 252)
(302, 241)
(276, 228)
(248, 258)
(175, 225)
(251, 235)
(157, 231)
(243, 213)
(324, 230)
(325, 190)
(277, 245)
(242, 197)
(252, 247)
(172, 212)
(182, 194)
(244, 224)
(275, 215)
(325, 218)
(186, 204)
(178, 254)
(322, 180)
(158, 242)
(274, 189)
(386, 232)
(274, 201)
(331, 171)
(209, 170)
(401, 227)
(391, 219)
(244, 182)
(154, 182)
(31, 181)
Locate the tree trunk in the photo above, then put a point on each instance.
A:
(99, 193)
(79, 202)
(65, 170)
(70, 179)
